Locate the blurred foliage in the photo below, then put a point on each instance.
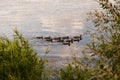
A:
(18, 61)
(104, 63)
(106, 39)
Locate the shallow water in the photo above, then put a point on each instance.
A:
(47, 17)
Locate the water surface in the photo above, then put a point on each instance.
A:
(47, 17)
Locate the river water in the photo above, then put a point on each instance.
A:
(47, 18)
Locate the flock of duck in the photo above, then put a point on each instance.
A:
(66, 40)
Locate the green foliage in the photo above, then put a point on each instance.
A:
(75, 71)
(106, 39)
(18, 61)
(104, 48)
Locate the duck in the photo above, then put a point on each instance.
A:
(61, 40)
(76, 39)
(47, 37)
(65, 37)
(66, 43)
(57, 38)
(80, 37)
(69, 40)
(51, 40)
(41, 37)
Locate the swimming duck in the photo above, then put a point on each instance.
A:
(41, 37)
(51, 40)
(47, 37)
(78, 37)
(57, 38)
(66, 43)
(69, 40)
(61, 40)
(65, 37)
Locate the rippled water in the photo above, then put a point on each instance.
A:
(47, 17)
